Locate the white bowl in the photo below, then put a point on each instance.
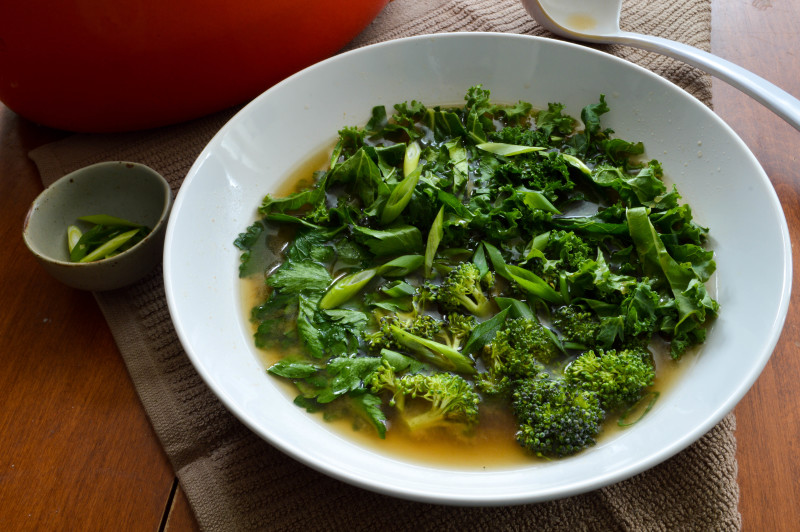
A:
(269, 139)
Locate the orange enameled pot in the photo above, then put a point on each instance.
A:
(100, 66)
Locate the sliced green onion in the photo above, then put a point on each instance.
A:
(401, 266)
(411, 158)
(400, 197)
(109, 247)
(73, 235)
(345, 288)
(577, 163)
(434, 238)
(507, 150)
(536, 200)
(534, 285)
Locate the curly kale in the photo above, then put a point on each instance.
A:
(558, 253)
(547, 173)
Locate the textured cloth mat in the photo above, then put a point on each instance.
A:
(236, 481)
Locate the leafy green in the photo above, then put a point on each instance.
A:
(300, 276)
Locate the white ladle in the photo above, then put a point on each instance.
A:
(597, 21)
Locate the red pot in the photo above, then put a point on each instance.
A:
(119, 65)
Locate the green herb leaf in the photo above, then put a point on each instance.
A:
(392, 241)
(484, 332)
(298, 276)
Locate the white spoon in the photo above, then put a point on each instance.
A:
(597, 21)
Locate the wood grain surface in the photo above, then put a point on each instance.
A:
(78, 452)
(762, 36)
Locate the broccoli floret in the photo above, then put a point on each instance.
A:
(520, 342)
(619, 377)
(520, 347)
(424, 326)
(519, 350)
(429, 401)
(555, 419)
(462, 289)
(423, 296)
(428, 339)
(456, 330)
(577, 325)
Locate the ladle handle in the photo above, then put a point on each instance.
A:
(773, 97)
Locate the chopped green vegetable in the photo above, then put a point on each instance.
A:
(74, 235)
(107, 237)
(107, 248)
(506, 150)
(439, 266)
(346, 288)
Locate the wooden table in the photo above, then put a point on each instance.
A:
(78, 453)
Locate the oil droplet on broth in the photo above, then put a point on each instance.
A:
(581, 21)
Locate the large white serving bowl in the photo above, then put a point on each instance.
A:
(270, 138)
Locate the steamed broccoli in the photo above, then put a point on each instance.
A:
(429, 401)
(427, 338)
(423, 295)
(555, 419)
(456, 330)
(413, 320)
(519, 350)
(619, 377)
(463, 287)
(424, 326)
(577, 325)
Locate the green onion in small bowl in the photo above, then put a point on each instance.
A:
(100, 251)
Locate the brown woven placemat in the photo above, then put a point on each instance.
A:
(236, 481)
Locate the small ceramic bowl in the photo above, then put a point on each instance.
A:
(125, 190)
